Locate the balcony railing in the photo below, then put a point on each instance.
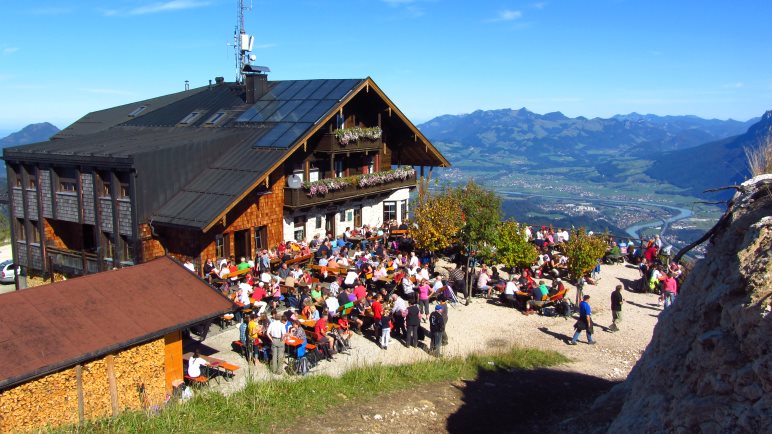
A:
(328, 143)
(72, 261)
(298, 197)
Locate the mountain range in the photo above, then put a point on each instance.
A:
(621, 151)
(525, 131)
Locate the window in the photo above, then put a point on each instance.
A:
(32, 182)
(21, 232)
(127, 251)
(389, 211)
(318, 220)
(403, 210)
(300, 228)
(137, 111)
(371, 165)
(105, 189)
(219, 246)
(261, 237)
(217, 117)
(358, 217)
(300, 173)
(123, 189)
(190, 118)
(18, 180)
(68, 180)
(109, 246)
(342, 216)
(313, 171)
(339, 170)
(34, 237)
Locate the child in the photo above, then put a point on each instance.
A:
(385, 329)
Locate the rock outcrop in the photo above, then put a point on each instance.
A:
(708, 367)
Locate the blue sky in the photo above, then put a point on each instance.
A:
(62, 59)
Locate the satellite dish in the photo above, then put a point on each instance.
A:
(294, 181)
(252, 57)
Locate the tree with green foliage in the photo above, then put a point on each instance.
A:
(512, 246)
(437, 217)
(583, 252)
(481, 212)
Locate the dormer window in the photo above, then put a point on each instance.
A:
(190, 118)
(215, 119)
(137, 111)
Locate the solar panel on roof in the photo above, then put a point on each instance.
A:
(286, 109)
(267, 111)
(267, 141)
(318, 111)
(324, 90)
(293, 89)
(342, 89)
(310, 88)
(292, 135)
(302, 109)
(276, 90)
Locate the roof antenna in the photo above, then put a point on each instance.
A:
(242, 42)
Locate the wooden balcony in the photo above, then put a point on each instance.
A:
(329, 144)
(299, 198)
(73, 262)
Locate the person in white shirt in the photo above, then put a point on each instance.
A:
(351, 276)
(189, 265)
(194, 365)
(332, 304)
(414, 262)
(408, 287)
(276, 332)
(508, 297)
(335, 287)
(423, 273)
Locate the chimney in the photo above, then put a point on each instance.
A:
(256, 86)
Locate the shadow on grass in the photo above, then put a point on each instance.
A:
(539, 400)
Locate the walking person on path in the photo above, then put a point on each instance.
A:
(437, 327)
(584, 322)
(413, 322)
(616, 308)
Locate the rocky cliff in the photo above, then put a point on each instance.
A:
(708, 367)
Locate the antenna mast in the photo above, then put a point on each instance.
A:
(242, 42)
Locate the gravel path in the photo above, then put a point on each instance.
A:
(483, 326)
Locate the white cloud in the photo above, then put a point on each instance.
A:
(263, 46)
(154, 8)
(105, 91)
(507, 15)
(539, 5)
(10, 50)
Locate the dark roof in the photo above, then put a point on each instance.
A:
(120, 143)
(104, 119)
(203, 199)
(251, 140)
(52, 327)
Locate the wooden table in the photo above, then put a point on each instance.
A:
(228, 369)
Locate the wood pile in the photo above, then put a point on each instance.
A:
(53, 400)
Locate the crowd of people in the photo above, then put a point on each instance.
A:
(370, 282)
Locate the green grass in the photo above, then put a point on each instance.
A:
(262, 405)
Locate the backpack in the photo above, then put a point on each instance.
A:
(302, 366)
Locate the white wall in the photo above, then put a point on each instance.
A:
(372, 214)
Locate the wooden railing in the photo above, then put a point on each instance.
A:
(72, 261)
(298, 197)
(328, 143)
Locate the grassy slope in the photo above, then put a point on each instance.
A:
(261, 406)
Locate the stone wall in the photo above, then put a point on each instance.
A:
(708, 367)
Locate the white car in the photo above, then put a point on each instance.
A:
(7, 271)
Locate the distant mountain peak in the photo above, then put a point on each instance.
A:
(30, 134)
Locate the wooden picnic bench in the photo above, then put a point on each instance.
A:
(227, 370)
(237, 273)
